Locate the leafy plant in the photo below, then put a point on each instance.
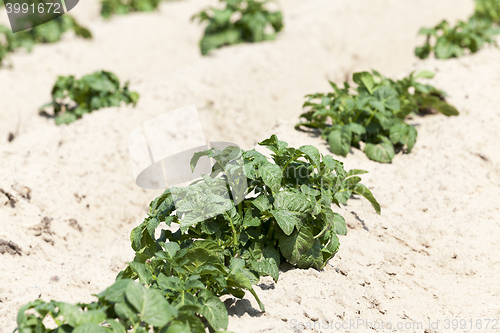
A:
(241, 21)
(375, 114)
(488, 10)
(126, 306)
(121, 7)
(280, 211)
(49, 32)
(285, 212)
(450, 42)
(73, 98)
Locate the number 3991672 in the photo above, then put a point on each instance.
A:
(40, 8)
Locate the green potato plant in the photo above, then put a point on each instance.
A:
(255, 24)
(72, 98)
(282, 214)
(125, 306)
(451, 42)
(488, 10)
(121, 7)
(375, 114)
(49, 32)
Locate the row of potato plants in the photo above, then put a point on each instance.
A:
(250, 21)
(177, 278)
(254, 23)
(282, 214)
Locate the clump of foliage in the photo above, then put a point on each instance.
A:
(121, 7)
(72, 98)
(49, 32)
(283, 214)
(241, 21)
(126, 306)
(373, 113)
(451, 42)
(488, 10)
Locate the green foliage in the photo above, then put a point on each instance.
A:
(284, 215)
(375, 114)
(450, 42)
(219, 248)
(73, 98)
(488, 10)
(253, 23)
(121, 7)
(49, 32)
(126, 306)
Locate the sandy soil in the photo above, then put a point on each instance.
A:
(68, 199)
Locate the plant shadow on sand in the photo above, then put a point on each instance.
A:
(240, 307)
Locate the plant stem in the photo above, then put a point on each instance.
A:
(235, 239)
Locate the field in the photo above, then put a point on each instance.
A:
(69, 202)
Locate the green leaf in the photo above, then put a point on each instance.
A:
(178, 327)
(398, 132)
(364, 79)
(262, 203)
(439, 105)
(301, 249)
(151, 305)
(424, 74)
(340, 141)
(145, 276)
(355, 172)
(75, 317)
(355, 128)
(382, 152)
(335, 165)
(249, 220)
(292, 201)
(116, 326)
(215, 312)
(273, 144)
(339, 226)
(367, 194)
(286, 220)
(405, 134)
(170, 282)
(271, 175)
(313, 154)
(196, 157)
(116, 292)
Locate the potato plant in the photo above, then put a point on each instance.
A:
(284, 214)
(121, 7)
(49, 32)
(488, 10)
(240, 21)
(374, 113)
(72, 98)
(452, 42)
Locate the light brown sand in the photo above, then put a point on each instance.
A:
(432, 254)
